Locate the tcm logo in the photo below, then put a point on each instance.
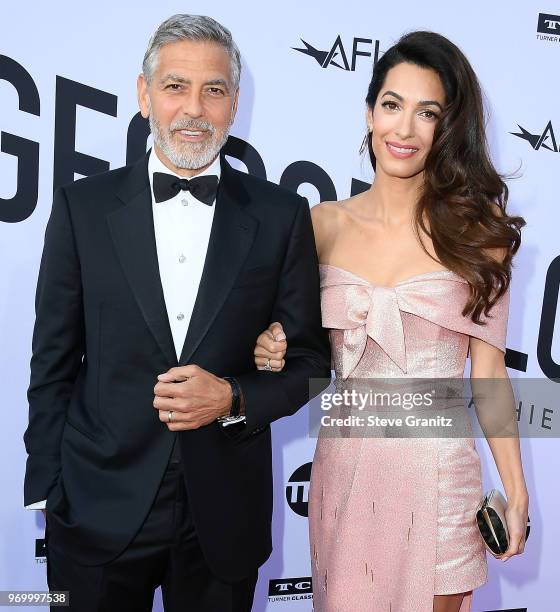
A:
(40, 551)
(549, 24)
(336, 56)
(544, 140)
(40, 548)
(297, 490)
(292, 588)
(548, 27)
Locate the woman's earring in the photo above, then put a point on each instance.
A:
(366, 142)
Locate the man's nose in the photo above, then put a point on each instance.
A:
(192, 104)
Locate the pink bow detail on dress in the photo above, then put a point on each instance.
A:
(349, 307)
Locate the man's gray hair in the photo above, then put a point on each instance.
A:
(191, 27)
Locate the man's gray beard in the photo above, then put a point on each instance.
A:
(189, 156)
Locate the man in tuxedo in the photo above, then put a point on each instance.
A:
(148, 432)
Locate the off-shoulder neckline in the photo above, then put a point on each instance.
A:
(410, 279)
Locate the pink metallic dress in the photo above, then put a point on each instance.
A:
(392, 520)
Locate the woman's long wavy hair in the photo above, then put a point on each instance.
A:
(462, 207)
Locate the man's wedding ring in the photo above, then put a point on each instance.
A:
(169, 416)
(267, 366)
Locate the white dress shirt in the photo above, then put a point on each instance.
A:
(182, 228)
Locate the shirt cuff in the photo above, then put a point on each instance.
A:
(40, 505)
(227, 421)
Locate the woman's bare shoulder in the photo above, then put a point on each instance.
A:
(325, 211)
(329, 213)
(328, 219)
(324, 218)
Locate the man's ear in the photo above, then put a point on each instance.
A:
(234, 106)
(143, 96)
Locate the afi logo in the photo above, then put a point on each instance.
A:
(289, 586)
(546, 139)
(297, 490)
(337, 56)
(549, 24)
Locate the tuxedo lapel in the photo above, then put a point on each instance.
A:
(132, 231)
(232, 234)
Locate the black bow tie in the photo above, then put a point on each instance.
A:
(203, 188)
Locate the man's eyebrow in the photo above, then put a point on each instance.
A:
(420, 103)
(172, 77)
(175, 78)
(221, 82)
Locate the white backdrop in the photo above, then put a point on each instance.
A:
(291, 109)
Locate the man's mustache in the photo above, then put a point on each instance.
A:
(191, 124)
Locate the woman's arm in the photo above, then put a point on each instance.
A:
(495, 408)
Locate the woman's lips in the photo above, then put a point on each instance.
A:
(400, 151)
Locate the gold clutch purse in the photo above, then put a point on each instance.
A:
(491, 521)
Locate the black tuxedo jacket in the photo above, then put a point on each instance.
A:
(97, 450)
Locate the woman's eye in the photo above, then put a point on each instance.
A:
(430, 114)
(390, 105)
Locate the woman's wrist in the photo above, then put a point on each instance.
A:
(517, 497)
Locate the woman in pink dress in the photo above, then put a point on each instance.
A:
(415, 275)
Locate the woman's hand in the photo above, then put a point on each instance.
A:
(271, 348)
(516, 519)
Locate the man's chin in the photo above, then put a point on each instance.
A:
(190, 161)
(194, 164)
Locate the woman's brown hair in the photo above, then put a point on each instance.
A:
(463, 203)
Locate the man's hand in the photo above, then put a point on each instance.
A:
(189, 397)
